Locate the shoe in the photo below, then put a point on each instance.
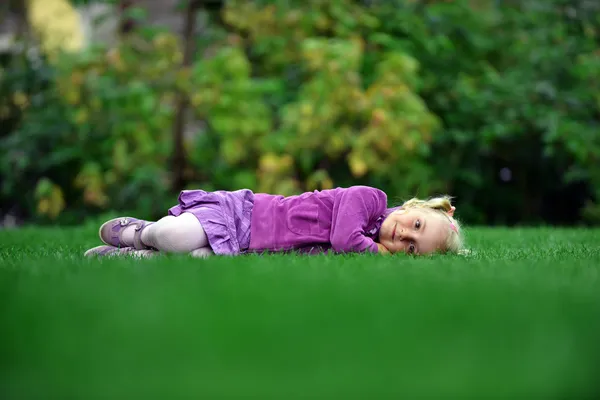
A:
(105, 251)
(111, 251)
(111, 232)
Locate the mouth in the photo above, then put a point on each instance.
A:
(394, 231)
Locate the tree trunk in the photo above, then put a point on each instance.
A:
(126, 24)
(179, 159)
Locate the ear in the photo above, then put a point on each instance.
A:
(451, 212)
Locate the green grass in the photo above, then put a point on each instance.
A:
(520, 318)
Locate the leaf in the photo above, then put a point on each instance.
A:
(357, 165)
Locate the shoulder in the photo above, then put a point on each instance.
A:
(366, 196)
(365, 191)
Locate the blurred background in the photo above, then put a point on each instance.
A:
(118, 104)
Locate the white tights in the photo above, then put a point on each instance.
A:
(181, 234)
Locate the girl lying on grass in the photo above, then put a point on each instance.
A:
(342, 220)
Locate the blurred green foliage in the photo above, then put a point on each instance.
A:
(415, 97)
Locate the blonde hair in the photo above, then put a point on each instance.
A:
(442, 205)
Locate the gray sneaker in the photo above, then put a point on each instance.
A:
(104, 251)
(111, 232)
(111, 251)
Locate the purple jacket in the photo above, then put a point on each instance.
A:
(344, 219)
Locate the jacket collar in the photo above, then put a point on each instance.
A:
(375, 227)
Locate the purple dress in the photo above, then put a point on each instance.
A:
(225, 217)
(337, 220)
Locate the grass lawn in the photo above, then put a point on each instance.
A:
(518, 319)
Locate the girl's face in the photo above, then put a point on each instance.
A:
(414, 231)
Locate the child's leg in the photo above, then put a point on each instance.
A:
(181, 234)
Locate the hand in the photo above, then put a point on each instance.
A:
(382, 249)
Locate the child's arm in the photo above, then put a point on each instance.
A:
(353, 211)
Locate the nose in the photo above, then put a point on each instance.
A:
(406, 234)
(400, 233)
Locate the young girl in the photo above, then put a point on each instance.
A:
(342, 220)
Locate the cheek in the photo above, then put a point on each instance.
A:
(386, 229)
(397, 247)
(438, 242)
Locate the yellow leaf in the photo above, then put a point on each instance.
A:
(51, 200)
(292, 17)
(57, 25)
(57, 202)
(319, 180)
(322, 22)
(197, 99)
(233, 151)
(286, 162)
(327, 184)
(120, 156)
(72, 97)
(286, 187)
(306, 109)
(43, 206)
(20, 99)
(358, 167)
(378, 116)
(409, 144)
(336, 144)
(81, 116)
(333, 66)
(304, 127)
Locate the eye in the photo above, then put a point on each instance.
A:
(411, 248)
(417, 224)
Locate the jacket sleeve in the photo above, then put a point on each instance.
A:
(353, 210)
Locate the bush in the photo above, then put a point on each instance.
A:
(471, 98)
(96, 133)
(499, 79)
